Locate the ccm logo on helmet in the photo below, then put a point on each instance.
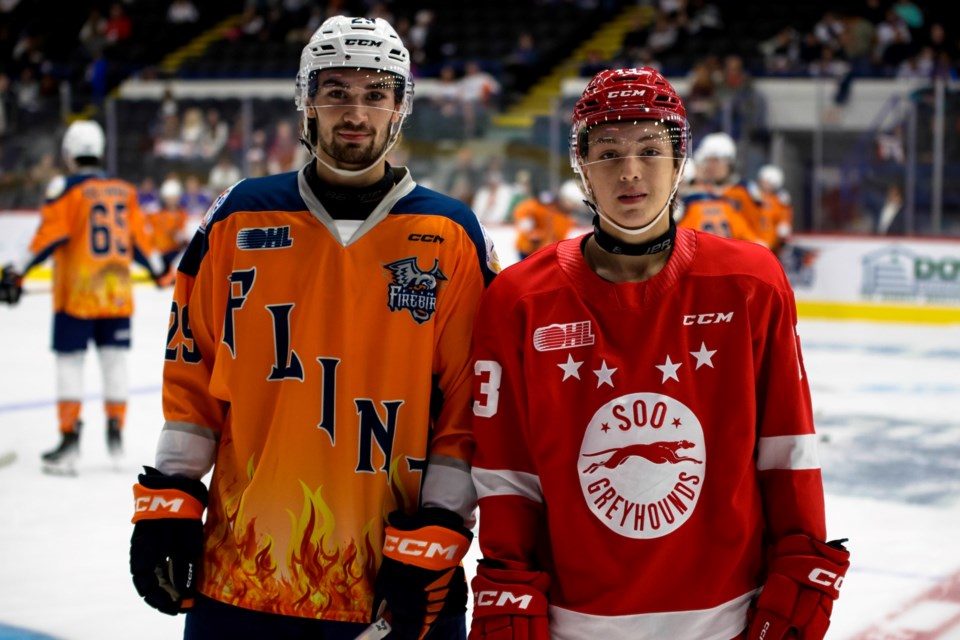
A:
(626, 94)
(360, 42)
(157, 503)
(502, 599)
(826, 578)
(420, 548)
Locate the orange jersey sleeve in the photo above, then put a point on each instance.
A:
(93, 225)
(167, 228)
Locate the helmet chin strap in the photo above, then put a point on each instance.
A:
(653, 223)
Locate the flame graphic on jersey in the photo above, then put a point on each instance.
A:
(317, 576)
(240, 566)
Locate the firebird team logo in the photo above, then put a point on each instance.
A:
(414, 289)
(642, 464)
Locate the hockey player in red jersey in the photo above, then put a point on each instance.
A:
(318, 360)
(646, 459)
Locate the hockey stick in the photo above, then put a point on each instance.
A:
(375, 631)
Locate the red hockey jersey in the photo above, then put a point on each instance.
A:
(642, 443)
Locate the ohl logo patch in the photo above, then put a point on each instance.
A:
(413, 288)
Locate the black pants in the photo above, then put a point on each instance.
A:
(211, 620)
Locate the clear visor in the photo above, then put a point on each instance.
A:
(354, 88)
(650, 141)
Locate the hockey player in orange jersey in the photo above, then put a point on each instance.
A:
(777, 207)
(168, 224)
(318, 361)
(646, 461)
(92, 228)
(704, 208)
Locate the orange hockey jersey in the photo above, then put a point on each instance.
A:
(714, 215)
(330, 380)
(167, 229)
(92, 226)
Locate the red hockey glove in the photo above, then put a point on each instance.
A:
(509, 605)
(421, 577)
(167, 539)
(797, 598)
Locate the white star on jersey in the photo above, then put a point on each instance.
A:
(604, 375)
(571, 368)
(669, 370)
(704, 357)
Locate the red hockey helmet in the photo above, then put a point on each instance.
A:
(624, 95)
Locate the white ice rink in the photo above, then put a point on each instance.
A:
(887, 402)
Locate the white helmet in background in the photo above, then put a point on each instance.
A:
(171, 189)
(354, 43)
(772, 176)
(83, 139)
(716, 145)
(570, 195)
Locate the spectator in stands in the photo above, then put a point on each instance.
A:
(593, 63)
(701, 100)
(462, 181)
(168, 143)
(147, 195)
(285, 150)
(225, 173)
(92, 33)
(182, 12)
(191, 132)
(447, 94)
(256, 155)
(119, 27)
(745, 108)
(422, 38)
(195, 199)
(781, 52)
(894, 42)
(213, 137)
(492, 200)
(663, 36)
(479, 91)
(522, 60)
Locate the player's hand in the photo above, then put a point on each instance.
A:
(421, 576)
(167, 540)
(509, 604)
(11, 285)
(797, 598)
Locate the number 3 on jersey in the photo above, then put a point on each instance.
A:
(486, 406)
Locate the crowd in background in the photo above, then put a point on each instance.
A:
(208, 149)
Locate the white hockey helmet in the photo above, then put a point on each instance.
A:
(354, 43)
(171, 189)
(571, 195)
(716, 145)
(772, 175)
(83, 139)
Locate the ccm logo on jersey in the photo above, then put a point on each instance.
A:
(425, 237)
(826, 578)
(502, 599)
(708, 318)
(420, 548)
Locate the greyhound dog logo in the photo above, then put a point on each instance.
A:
(655, 452)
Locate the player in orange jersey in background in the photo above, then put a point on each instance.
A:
(539, 220)
(776, 206)
(168, 225)
(702, 205)
(318, 362)
(92, 227)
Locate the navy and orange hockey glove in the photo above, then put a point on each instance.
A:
(509, 604)
(421, 577)
(167, 540)
(11, 285)
(797, 598)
